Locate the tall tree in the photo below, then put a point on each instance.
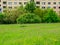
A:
(30, 6)
(51, 16)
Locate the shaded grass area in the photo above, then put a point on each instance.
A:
(30, 34)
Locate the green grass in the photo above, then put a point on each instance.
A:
(30, 34)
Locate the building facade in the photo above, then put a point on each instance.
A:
(1, 6)
(55, 4)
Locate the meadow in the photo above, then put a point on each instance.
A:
(30, 34)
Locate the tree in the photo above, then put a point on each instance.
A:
(29, 18)
(51, 16)
(30, 6)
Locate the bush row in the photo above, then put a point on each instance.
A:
(47, 17)
(36, 17)
(29, 14)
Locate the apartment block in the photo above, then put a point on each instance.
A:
(0, 5)
(13, 4)
(54, 4)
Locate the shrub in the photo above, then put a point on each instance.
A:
(41, 13)
(59, 18)
(11, 16)
(1, 18)
(29, 18)
(51, 17)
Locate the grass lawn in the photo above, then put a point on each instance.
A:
(30, 34)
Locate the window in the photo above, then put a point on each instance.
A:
(54, 2)
(0, 9)
(43, 7)
(4, 2)
(15, 3)
(37, 2)
(20, 2)
(4, 6)
(9, 3)
(54, 7)
(10, 7)
(49, 3)
(43, 3)
(59, 7)
(25, 2)
(59, 2)
(48, 7)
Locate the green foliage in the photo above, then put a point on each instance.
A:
(29, 14)
(47, 15)
(1, 18)
(12, 15)
(51, 16)
(29, 18)
(30, 6)
(20, 10)
(41, 13)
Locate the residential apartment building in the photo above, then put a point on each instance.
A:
(0, 6)
(54, 4)
(13, 4)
